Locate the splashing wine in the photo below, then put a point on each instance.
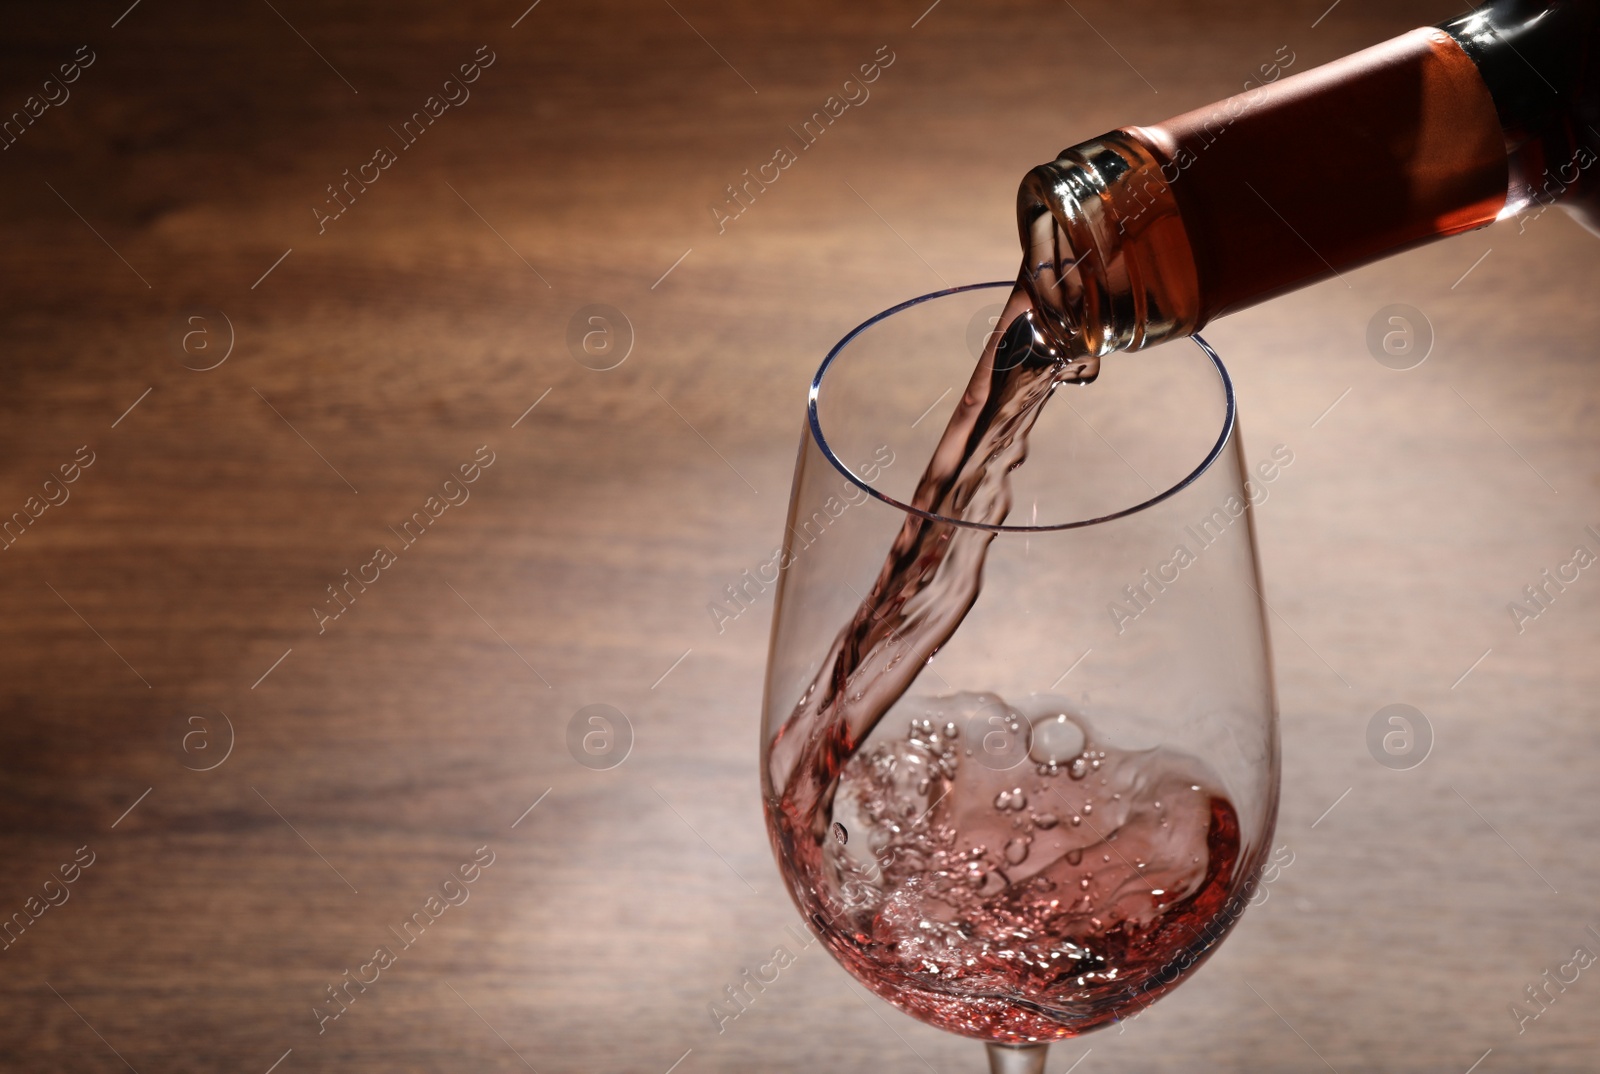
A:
(1023, 903)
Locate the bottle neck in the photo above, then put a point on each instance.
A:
(1147, 233)
(1538, 61)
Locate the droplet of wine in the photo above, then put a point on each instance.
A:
(1017, 851)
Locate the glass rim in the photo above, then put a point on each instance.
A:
(814, 428)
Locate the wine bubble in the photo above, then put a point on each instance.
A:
(1009, 800)
(992, 884)
(1056, 739)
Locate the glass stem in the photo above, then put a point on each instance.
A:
(1017, 1058)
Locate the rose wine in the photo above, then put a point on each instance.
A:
(1013, 902)
(933, 570)
(1023, 904)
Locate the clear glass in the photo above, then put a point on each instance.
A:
(1072, 803)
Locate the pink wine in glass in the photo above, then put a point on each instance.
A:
(1023, 903)
(1015, 899)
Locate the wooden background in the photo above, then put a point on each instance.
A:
(170, 598)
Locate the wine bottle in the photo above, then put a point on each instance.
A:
(1148, 233)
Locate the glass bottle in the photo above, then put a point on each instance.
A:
(1148, 233)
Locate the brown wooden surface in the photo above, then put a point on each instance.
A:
(416, 729)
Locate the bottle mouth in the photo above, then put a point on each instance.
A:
(1051, 271)
(1072, 241)
(1105, 251)
(819, 422)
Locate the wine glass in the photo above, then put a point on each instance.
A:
(1039, 824)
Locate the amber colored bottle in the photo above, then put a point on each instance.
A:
(1147, 233)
